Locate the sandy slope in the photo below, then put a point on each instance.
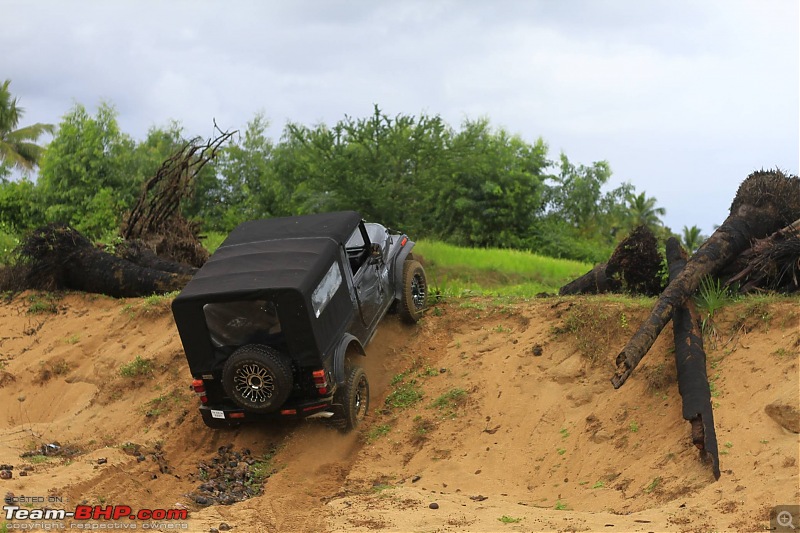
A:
(541, 441)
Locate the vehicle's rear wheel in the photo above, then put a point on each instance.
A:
(258, 378)
(415, 291)
(354, 398)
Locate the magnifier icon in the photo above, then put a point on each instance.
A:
(784, 519)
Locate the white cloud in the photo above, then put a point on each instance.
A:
(676, 94)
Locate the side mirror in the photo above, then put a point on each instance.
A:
(375, 251)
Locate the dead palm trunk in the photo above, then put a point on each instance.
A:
(58, 257)
(137, 251)
(596, 281)
(690, 362)
(91, 270)
(765, 202)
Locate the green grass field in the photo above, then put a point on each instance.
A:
(458, 271)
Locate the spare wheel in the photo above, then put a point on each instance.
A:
(258, 378)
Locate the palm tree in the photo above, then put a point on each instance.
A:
(692, 239)
(642, 211)
(18, 147)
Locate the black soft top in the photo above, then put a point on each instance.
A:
(270, 254)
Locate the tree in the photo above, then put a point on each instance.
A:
(691, 238)
(18, 147)
(88, 176)
(19, 205)
(642, 211)
(246, 187)
(364, 164)
(159, 145)
(581, 221)
(576, 195)
(494, 189)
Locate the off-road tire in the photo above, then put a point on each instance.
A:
(354, 399)
(415, 292)
(258, 378)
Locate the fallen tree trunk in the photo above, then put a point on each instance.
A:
(57, 257)
(690, 362)
(595, 281)
(136, 251)
(765, 202)
(91, 270)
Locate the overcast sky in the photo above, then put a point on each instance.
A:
(684, 98)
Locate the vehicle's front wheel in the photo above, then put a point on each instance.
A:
(415, 291)
(258, 378)
(354, 398)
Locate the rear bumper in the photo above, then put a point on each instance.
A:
(225, 413)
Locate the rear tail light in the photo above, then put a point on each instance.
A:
(320, 382)
(199, 388)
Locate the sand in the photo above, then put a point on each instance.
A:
(517, 429)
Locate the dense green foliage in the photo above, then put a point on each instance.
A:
(19, 205)
(244, 187)
(92, 172)
(475, 186)
(84, 178)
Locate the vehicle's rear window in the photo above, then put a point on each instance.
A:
(242, 322)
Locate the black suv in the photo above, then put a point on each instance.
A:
(275, 323)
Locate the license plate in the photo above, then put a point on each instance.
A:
(217, 414)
